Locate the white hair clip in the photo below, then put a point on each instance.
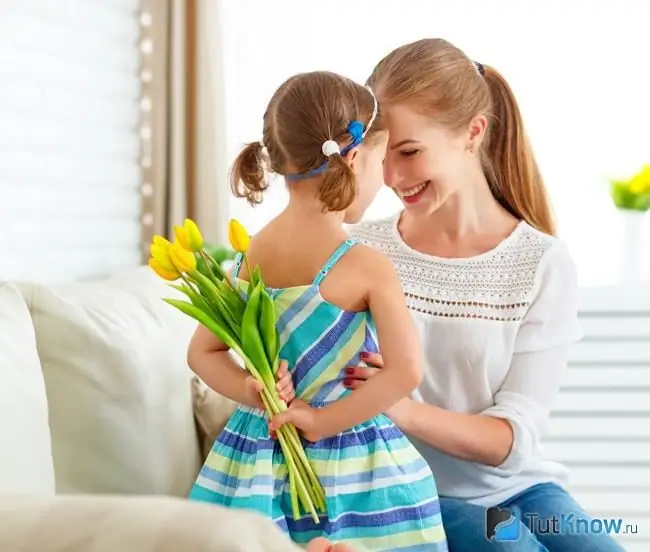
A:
(330, 147)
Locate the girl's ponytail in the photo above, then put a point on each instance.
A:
(248, 177)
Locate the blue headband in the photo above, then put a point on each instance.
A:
(330, 147)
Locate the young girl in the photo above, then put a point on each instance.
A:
(323, 133)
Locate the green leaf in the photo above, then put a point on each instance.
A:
(216, 326)
(193, 296)
(233, 298)
(252, 343)
(256, 277)
(268, 327)
(211, 292)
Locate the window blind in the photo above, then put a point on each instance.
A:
(70, 175)
(599, 425)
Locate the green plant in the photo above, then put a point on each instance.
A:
(632, 193)
(220, 253)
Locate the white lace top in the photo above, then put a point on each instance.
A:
(496, 330)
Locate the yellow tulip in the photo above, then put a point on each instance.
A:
(170, 275)
(183, 260)
(189, 236)
(159, 240)
(239, 238)
(159, 250)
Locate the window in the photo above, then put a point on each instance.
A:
(69, 138)
(578, 75)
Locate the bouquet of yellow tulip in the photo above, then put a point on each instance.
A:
(246, 322)
(632, 193)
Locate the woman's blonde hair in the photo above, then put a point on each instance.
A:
(307, 110)
(437, 79)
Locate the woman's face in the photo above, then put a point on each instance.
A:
(424, 160)
(367, 165)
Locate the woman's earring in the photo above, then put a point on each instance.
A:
(470, 148)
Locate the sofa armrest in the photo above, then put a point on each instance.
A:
(132, 524)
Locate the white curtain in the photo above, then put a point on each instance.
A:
(69, 138)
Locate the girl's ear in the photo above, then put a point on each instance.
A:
(352, 157)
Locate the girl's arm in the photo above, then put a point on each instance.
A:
(211, 360)
(402, 354)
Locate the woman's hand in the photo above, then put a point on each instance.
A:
(301, 415)
(284, 386)
(356, 376)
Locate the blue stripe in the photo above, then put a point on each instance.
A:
(331, 357)
(323, 347)
(243, 444)
(372, 519)
(295, 308)
(331, 481)
(362, 437)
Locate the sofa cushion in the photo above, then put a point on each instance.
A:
(119, 389)
(212, 411)
(133, 524)
(25, 449)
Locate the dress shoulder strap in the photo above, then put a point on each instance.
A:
(237, 266)
(340, 251)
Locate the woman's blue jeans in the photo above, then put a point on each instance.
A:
(546, 519)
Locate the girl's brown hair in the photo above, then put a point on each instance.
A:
(307, 110)
(439, 80)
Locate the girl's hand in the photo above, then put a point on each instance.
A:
(321, 544)
(284, 386)
(285, 382)
(301, 415)
(356, 376)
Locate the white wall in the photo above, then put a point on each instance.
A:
(580, 74)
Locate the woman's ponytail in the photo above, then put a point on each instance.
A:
(510, 164)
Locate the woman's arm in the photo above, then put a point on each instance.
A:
(505, 434)
(519, 415)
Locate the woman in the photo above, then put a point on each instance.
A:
(494, 295)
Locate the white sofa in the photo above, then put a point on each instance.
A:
(102, 427)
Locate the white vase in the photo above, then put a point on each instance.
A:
(635, 246)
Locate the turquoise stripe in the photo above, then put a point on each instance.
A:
(385, 498)
(308, 332)
(366, 476)
(294, 308)
(316, 371)
(380, 499)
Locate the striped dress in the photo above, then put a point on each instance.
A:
(380, 493)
